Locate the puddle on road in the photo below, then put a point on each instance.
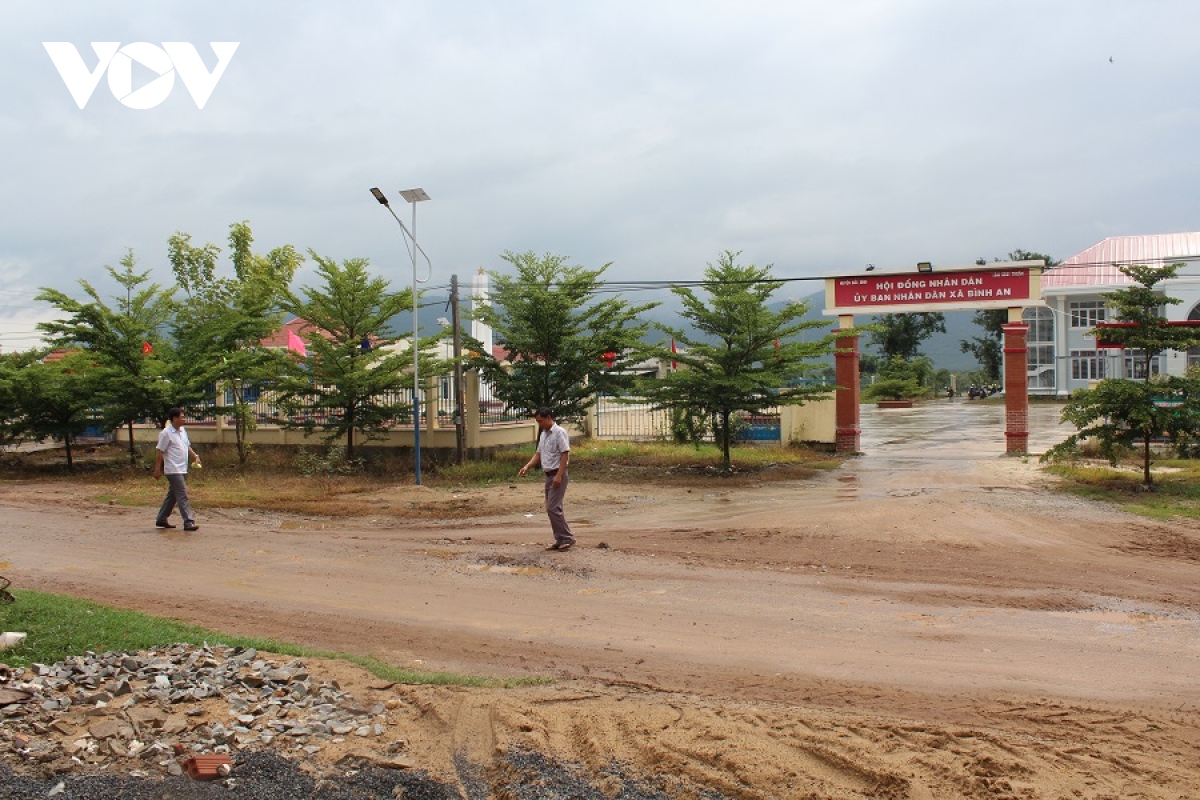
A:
(508, 569)
(848, 490)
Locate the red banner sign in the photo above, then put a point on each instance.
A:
(932, 288)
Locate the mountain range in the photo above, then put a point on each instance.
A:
(943, 348)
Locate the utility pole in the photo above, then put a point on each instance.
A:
(460, 400)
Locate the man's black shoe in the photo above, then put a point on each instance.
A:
(191, 527)
(162, 523)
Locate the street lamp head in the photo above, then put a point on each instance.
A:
(924, 266)
(379, 196)
(414, 195)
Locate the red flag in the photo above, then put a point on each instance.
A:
(674, 364)
(147, 349)
(296, 344)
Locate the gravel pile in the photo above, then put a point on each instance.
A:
(122, 726)
(146, 712)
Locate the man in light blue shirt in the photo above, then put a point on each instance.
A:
(552, 454)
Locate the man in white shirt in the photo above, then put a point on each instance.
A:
(171, 458)
(552, 454)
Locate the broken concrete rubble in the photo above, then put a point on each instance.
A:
(155, 709)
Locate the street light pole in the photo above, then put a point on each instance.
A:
(413, 196)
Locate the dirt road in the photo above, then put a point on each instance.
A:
(928, 621)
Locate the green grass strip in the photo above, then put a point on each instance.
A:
(59, 627)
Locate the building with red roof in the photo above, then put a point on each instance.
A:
(1063, 355)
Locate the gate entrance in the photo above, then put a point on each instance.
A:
(1011, 285)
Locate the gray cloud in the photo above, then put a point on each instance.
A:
(815, 136)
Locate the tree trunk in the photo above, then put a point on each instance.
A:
(240, 429)
(349, 434)
(70, 458)
(1146, 478)
(132, 451)
(725, 461)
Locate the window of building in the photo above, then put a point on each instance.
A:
(1040, 322)
(1088, 314)
(250, 394)
(1041, 366)
(1135, 364)
(1087, 365)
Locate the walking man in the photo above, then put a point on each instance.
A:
(171, 458)
(552, 454)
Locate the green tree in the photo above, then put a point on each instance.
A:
(1122, 412)
(901, 379)
(219, 329)
(739, 355)
(129, 353)
(10, 407)
(988, 349)
(344, 386)
(902, 334)
(557, 335)
(55, 399)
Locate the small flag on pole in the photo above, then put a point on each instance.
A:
(296, 344)
(147, 348)
(674, 364)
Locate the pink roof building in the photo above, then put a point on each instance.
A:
(1096, 265)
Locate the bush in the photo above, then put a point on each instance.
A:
(894, 389)
(330, 463)
(689, 426)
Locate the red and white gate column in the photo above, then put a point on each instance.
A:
(1016, 384)
(846, 397)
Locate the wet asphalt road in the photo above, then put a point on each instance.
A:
(950, 430)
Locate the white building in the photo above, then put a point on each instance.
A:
(1062, 356)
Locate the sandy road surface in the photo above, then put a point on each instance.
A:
(928, 621)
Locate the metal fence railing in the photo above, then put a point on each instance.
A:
(628, 420)
(624, 420)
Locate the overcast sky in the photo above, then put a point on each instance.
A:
(814, 136)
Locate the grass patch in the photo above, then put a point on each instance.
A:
(275, 479)
(1176, 490)
(630, 462)
(61, 626)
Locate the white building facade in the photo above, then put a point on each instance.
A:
(1063, 357)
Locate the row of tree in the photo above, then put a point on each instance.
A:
(732, 353)
(198, 344)
(128, 359)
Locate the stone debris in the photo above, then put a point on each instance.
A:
(149, 712)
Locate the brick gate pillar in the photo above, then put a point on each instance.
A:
(846, 396)
(1016, 388)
